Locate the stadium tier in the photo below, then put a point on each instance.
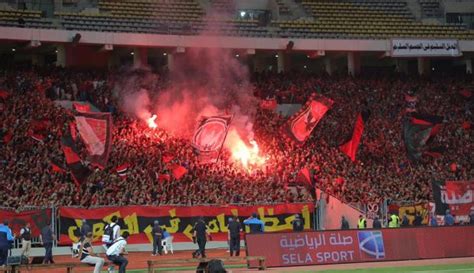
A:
(323, 19)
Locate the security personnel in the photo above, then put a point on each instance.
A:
(298, 224)
(394, 221)
(362, 223)
(235, 227)
(256, 225)
(200, 235)
(6, 242)
(376, 224)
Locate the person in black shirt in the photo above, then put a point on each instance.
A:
(418, 219)
(200, 235)
(157, 233)
(87, 254)
(85, 228)
(234, 236)
(405, 221)
(46, 239)
(298, 224)
(376, 223)
(344, 223)
(25, 235)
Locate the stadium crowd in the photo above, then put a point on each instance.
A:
(382, 168)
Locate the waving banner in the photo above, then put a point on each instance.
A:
(210, 136)
(95, 130)
(301, 125)
(16, 220)
(350, 147)
(418, 130)
(455, 195)
(178, 221)
(79, 172)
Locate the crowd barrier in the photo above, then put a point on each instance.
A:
(138, 220)
(350, 246)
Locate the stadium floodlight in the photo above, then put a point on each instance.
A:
(242, 13)
(276, 55)
(132, 53)
(164, 54)
(237, 55)
(13, 49)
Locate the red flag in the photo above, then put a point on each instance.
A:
(268, 104)
(304, 176)
(7, 137)
(56, 168)
(466, 125)
(350, 147)
(4, 94)
(465, 93)
(301, 125)
(409, 98)
(163, 177)
(167, 157)
(72, 129)
(178, 171)
(80, 107)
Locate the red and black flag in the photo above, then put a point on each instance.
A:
(300, 126)
(38, 130)
(95, 130)
(306, 177)
(79, 172)
(209, 137)
(453, 195)
(122, 170)
(350, 148)
(57, 167)
(418, 130)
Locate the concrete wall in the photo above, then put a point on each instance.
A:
(458, 6)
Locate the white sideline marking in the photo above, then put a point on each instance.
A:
(444, 270)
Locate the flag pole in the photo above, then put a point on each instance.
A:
(225, 137)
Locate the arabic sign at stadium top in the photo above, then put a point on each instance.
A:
(425, 48)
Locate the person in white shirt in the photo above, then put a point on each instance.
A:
(116, 250)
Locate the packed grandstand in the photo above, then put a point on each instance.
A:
(382, 169)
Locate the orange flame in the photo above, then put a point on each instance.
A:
(247, 156)
(151, 122)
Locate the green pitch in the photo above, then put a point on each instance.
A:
(442, 268)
